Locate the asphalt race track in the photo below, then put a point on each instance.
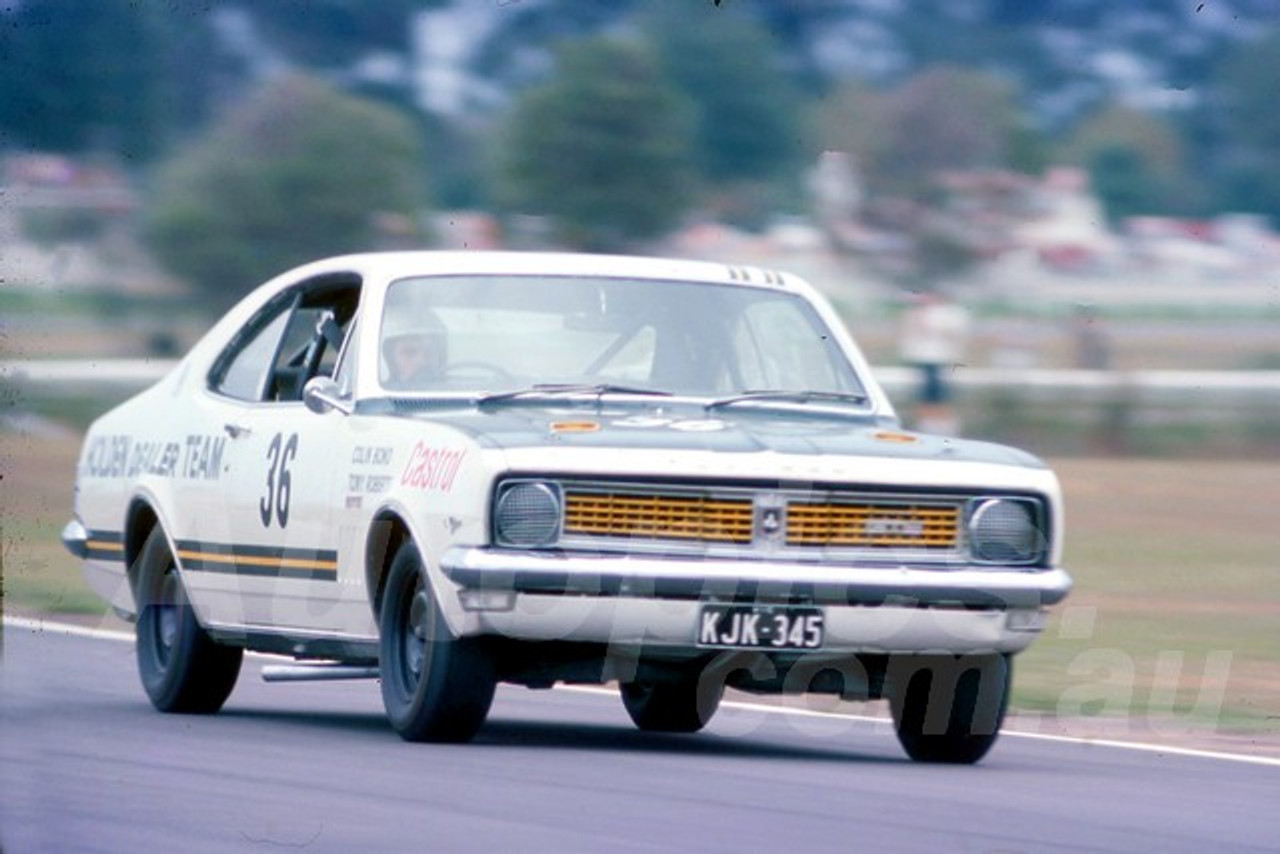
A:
(86, 765)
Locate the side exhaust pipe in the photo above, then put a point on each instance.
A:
(316, 672)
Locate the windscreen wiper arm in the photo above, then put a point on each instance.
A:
(782, 396)
(551, 390)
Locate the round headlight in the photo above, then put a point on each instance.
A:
(527, 514)
(1002, 530)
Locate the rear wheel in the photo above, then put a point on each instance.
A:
(949, 709)
(182, 668)
(683, 706)
(435, 687)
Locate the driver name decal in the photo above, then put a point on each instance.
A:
(432, 469)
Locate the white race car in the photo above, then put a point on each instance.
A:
(458, 469)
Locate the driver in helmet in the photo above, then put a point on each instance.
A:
(414, 350)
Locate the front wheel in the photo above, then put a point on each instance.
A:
(949, 709)
(435, 687)
(182, 668)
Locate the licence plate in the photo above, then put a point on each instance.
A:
(760, 627)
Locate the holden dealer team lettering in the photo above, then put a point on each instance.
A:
(432, 469)
(197, 457)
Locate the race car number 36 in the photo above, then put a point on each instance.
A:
(750, 626)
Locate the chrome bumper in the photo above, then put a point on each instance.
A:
(76, 538)
(649, 601)
(723, 580)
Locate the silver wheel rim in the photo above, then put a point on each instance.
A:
(413, 638)
(166, 630)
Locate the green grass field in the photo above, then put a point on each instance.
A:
(1176, 611)
(1174, 622)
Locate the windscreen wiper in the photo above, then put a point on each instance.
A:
(781, 396)
(544, 391)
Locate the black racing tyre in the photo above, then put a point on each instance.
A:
(683, 706)
(435, 687)
(182, 668)
(948, 709)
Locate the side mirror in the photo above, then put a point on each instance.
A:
(322, 394)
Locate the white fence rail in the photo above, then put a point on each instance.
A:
(72, 374)
(1205, 388)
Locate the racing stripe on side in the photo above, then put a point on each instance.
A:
(104, 545)
(262, 561)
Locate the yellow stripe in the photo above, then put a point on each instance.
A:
(104, 545)
(292, 562)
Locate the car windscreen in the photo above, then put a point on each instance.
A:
(498, 333)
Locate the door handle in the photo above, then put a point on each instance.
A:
(235, 431)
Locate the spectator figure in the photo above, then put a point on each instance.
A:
(932, 339)
(1093, 345)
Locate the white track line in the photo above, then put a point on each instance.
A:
(53, 627)
(111, 635)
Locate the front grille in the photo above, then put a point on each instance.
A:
(657, 516)
(872, 525)
(738, 517)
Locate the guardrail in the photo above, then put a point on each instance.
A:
(1149, 384)
(1208, 386)
(124, 374)
(1050, 411)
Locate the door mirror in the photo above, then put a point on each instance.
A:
(322, 394)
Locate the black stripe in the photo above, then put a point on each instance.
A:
(252, 570)
(116, 538)
(108, 536)
(242, 550)
(237, 550)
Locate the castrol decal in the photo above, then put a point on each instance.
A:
(432, 469)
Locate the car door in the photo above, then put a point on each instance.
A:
(266, 557)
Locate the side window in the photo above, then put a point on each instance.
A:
(245, 376)
(290, 343)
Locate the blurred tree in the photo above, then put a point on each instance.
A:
(81, 76)
(1125, 182)
(852, 118)
(1116, 125)
(198, 72)
(335, 33)
(746, 118)
(1246, 85)
(942, 119)
(460, 156)
(297, 172)
(945, 118)
(1136, 162)
(602, 148)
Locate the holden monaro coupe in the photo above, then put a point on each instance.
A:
(451, 470)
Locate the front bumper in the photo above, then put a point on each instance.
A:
(655, 602)
(76, 538)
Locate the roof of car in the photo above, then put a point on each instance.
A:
(391, 265)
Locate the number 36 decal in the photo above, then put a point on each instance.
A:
(279, 454)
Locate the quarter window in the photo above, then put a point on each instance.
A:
(245, 375)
